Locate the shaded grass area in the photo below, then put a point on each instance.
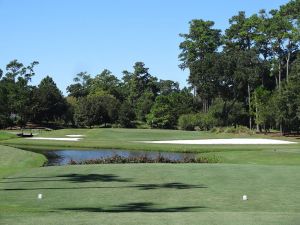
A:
(163, 193)
(13, 160)
(127, 139)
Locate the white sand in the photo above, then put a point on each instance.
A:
(54, 139)
(232, 141)
(74, 135)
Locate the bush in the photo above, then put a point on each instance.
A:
(228, 113)
(142, 125)
(232, 130)
(199, 121)
(117, 159)
(187, 122)
(205, 121)
(116, 125)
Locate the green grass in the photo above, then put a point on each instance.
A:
(13, 160)
(276, 156)
(126, 139)
(152, 194)
(4, 135)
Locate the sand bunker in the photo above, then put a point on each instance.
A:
(232, 141)
(74, 135)
(54, 139)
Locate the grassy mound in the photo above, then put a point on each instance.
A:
(13, 160)
(5, 135)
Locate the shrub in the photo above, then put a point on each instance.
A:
(208, 159)
(187, 122)
(116, 125)
(228, 113)
(199, 121)
(205, 121)
(232, 130)
(142, 125)
(116, 159)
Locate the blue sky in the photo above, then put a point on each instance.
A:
(70, 36)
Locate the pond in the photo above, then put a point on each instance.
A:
(64, 157)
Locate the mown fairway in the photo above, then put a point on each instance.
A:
(151, 193)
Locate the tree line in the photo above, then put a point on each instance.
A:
(101, 100)
(247, 75)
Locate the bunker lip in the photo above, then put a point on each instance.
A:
(231, 141)
(74, 135)
(54, 139)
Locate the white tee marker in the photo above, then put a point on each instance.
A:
(40, 196)
(245, 198)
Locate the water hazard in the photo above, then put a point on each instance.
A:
(64, 157)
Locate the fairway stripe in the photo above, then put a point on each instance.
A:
(232, 141)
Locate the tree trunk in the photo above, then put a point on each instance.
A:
(287, 66)
(249, 102)
(205, 105)
(279, 75)
(256, 114)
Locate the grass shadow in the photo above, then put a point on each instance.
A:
(73, 177)
(135, 207)
(168, 186)
(139, 186)
(93, 178)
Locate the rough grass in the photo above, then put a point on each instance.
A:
(152, 194)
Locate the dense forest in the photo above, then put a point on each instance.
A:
(247, 75)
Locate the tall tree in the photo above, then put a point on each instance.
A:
(49, 103)
(81, 86)
(106, 83)
(201, 42)
(240, 37)
(17, 89)
(167, 109)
